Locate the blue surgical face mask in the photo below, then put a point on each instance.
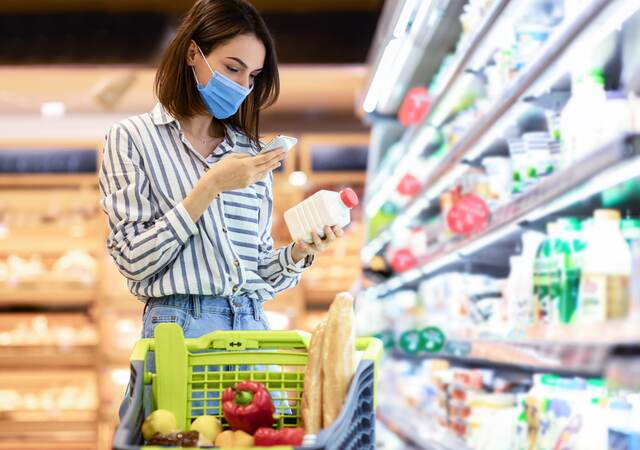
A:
(222, 96)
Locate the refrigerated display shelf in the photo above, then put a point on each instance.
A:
(549, 196)
(548, 56)
(417, 433)
(579, 349)
(457, 69)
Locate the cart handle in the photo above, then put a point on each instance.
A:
(253, 340)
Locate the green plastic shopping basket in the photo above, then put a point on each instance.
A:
(191, 374)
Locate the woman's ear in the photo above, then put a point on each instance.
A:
(192, 53)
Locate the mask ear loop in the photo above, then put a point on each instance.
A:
(205, 59)
(195, 76)
(206, 62)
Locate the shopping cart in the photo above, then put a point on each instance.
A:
(191, 374)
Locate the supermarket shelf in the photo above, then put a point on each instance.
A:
(50, 245)
(46, 445)
(415, 432)
(584, 350)
(525, 80)
(598, 171)
(383, 186)
(43, 294)
(49, 434)
(467, 54)
(63, 419)
(47, 356)
(49, 180)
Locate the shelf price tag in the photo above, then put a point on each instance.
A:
(433, 339)
(469, 215)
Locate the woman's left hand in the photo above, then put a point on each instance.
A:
(302, 249)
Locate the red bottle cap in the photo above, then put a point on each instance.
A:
(349, 198)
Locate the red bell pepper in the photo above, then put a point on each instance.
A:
(266, 437)
(248, 406)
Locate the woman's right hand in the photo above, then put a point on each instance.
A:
(239, 170)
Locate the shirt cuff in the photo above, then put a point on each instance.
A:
(180, 223)
(290, 266)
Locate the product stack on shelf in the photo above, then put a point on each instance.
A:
(503, 226)
(51, 242)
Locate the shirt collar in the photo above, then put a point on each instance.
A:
(160, 116)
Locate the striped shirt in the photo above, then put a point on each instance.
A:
(147, 170)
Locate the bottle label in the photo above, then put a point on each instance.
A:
(603, 297)
(547, 287)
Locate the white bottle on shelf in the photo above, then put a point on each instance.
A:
(606, 271)
(582, 121)
(321, 209)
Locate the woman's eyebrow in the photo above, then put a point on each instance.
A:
(242, 63)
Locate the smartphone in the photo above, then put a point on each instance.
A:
(280, 141)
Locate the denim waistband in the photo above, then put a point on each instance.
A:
(197, 304)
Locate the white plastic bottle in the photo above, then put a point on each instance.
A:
(604, 286)
(321, 209)
(582, 120)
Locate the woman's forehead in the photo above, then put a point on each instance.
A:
(247, 48)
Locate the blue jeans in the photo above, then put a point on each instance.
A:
(202, 314)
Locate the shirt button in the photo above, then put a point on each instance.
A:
(224, 229)
(236, 263)
(235, 288)
(206, 169)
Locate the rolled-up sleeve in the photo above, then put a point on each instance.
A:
(276, 266)
(141, 242)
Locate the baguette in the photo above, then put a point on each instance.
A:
(312, 395)
(338, 351)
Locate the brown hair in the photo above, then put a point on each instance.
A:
(211, 23)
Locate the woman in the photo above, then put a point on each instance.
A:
(188, 192)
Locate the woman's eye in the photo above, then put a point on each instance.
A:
(232, 69)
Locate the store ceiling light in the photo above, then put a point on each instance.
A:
(407, 51)
(120, 376)
(53, 109)
(381, 77)
(298, 178)
(404, 20)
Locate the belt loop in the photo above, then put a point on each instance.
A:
(231, 302)
(196, 306)
(256, 311)
(146, 306)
